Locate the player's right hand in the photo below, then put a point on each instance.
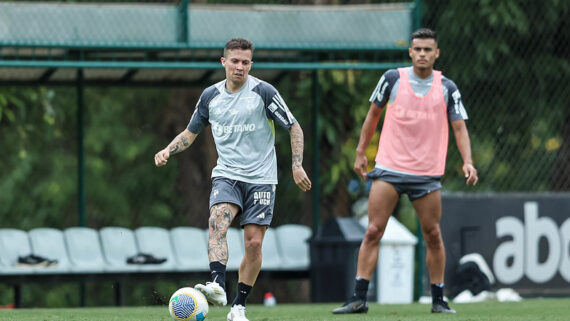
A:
(360, 164)
(161, 157)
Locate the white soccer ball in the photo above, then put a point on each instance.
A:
(188, 304)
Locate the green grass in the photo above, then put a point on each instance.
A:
(529, 309)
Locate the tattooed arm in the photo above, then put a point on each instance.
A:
(178, 144)
(297, 147)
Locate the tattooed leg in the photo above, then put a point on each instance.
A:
(221, 216)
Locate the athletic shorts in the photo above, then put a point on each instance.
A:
(256, 201)
(415, 186)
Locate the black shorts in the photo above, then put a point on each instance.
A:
(415, 186)
(256, 201)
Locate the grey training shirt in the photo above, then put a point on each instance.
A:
(243, 129)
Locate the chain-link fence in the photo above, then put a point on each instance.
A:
(509, 59)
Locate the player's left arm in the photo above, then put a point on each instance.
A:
(457, 115)
(277, 110)
(464, 146)
(297, 147)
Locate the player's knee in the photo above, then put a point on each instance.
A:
(373, 233)
(217, 224)
(253, 244)
(432, 236)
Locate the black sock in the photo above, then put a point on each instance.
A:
(218, 272)
(361, 289)
(437, 292)
(242, 293)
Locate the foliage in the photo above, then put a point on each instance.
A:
(35, 186)
(39, 180)
(509, 59)
(124, 186)
(343, 105)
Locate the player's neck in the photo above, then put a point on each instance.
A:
(234, 87)
(423, 73)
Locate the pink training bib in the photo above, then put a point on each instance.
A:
(415, 132)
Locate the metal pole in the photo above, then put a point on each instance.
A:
(184, 19)
(80, 151)
(417, 15)
(420, 258)
(316, 154)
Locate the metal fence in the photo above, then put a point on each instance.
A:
(508, 58)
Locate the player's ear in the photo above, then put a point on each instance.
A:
(436, 53)
(223, 61)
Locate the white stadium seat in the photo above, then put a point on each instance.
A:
(13, 244)
(270, 250)
(155, 241)
(190, 247)
(292, 240)
(118, 244)
(235, 248)
(84, 248)
(49, 243)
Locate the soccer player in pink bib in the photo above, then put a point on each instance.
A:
(419, 102)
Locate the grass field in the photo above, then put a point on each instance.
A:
(527, 310)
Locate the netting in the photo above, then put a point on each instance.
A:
(508, 59)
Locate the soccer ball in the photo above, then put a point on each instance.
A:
(188, 304)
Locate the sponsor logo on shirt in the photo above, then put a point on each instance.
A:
(414, 114)
(458, 106)
(378, 93)
(281, 118)
(220, 130)
(278, 108)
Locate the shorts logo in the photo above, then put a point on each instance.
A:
(216, 192)
(262, 198)
(261, 216)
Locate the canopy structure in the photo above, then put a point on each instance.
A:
(142, 44)
(148, 44)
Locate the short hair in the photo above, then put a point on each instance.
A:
(424, 33)
(238, 43)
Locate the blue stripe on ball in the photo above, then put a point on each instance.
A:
(184, 306)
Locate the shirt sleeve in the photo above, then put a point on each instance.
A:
(200, 117)
(381, 93)
(455, 108)
(275, 106)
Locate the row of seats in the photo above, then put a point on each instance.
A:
(86, 250)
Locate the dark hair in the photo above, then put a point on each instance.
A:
(238, 43)
(424, 33)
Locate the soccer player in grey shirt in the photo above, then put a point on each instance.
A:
(242, 111)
